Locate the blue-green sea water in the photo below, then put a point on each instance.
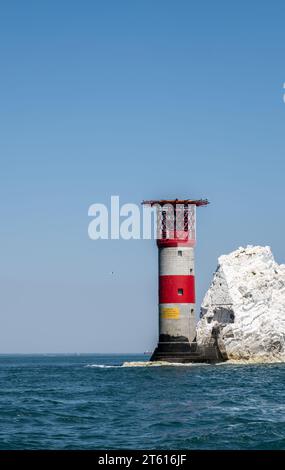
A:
(91, 402)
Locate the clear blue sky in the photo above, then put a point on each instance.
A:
(145, 99)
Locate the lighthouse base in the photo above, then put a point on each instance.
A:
(184, 351)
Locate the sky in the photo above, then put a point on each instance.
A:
(145, 100)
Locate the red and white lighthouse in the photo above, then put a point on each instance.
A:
(176, 237)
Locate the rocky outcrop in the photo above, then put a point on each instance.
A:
(243, 312)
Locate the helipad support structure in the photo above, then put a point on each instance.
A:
(176, 237)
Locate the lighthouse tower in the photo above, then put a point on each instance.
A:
(176, 236)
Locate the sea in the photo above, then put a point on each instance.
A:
(96, 402)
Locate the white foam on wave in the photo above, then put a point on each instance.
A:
(161, 364)
(146, 364)
(178, 364)
(102, 366)
(255, 360)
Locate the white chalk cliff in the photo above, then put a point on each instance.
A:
(244, 309)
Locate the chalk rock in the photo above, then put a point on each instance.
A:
(243, 312)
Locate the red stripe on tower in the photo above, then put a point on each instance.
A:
(176, 289)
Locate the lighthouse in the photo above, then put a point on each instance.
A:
(176, 238)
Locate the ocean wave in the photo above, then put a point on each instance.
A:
(146, 364)
(103, 366)
(256, 360)
(161, 364)
(129, 364)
